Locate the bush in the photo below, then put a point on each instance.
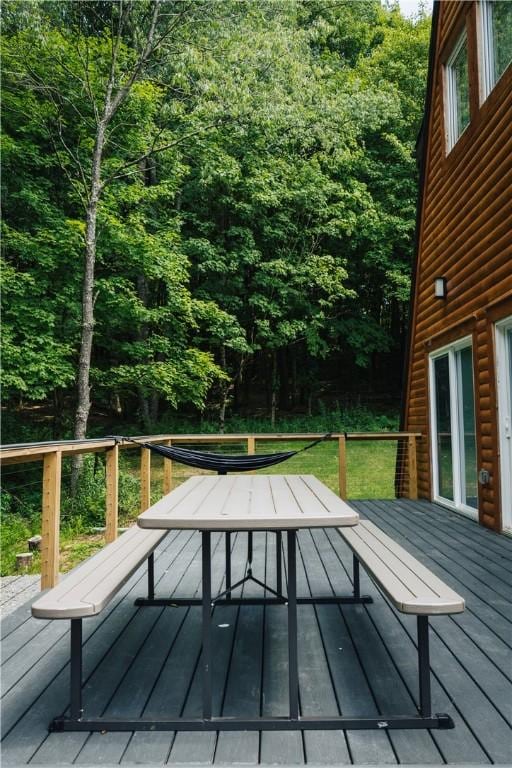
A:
(129, 497)
(15, 532)
(86, 507)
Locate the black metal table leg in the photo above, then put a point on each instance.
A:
(424, 667)
(207, 614)
(228, 564)
(76, 669)
(293, 669)
(151, 577)
(357, 587)
(279, 562)
(249, 553)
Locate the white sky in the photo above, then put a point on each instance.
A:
(410, 7)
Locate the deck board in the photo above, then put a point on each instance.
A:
(357, 659)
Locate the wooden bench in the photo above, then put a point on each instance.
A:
(408, 585)
(88, 588)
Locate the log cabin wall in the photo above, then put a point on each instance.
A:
(464, 235)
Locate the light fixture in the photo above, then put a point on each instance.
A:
(440, 287)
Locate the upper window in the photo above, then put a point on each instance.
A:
(457, 91)
(496, 42)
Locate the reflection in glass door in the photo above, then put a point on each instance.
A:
(467, 432)
(454, 457)
(504, 380)
(443, 427)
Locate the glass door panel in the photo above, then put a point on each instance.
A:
(469, 489)
(454, 456)
(443, 427)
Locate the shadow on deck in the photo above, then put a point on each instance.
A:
(353, 658)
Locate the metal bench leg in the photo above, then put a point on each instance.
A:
(151, 576)
(293, 670)
(357, 588)
(76, 669)
(279, 562)
(424, 667)
(207, 615)
(249, 553)
(228, 564)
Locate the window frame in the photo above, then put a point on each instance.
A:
(451, 350)
(450, 92)
(486, 55)
(504, 388)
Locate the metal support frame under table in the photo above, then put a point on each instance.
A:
(226, 597)
(208, 722)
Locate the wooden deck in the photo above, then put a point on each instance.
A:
(358, 659)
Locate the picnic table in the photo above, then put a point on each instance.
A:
(282, 504)
(229, 503)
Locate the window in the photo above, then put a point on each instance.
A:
(457, 91)
(453, 427)
(495, 42)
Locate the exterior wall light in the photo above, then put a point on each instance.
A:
(440, 287)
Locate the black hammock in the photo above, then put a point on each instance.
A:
(219, 462)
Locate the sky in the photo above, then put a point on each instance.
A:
(410, 7)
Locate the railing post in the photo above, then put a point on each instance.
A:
(251, 447)
(167, 471)
(145, 479)
(412, 466)
(112, 487)
(342, 465)
(50, 529)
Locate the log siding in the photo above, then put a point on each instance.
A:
(464, 234)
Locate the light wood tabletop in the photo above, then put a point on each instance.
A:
(249, 502)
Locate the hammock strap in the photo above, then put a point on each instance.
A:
(327, 436)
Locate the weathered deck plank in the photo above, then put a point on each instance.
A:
(354, 659)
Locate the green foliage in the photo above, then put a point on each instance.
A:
(255, 228)
(15, 532)
(341, 419)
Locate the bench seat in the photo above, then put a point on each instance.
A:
(89, 587)
(408, 584)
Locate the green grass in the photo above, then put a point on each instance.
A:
(75, 546)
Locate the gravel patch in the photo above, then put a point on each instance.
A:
(16, 590)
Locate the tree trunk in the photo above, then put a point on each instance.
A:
(224, 393)
(154, 407)
(144, 411)
(83, 405)
(116, 404)
(294, 386)
(273, 406)
(284, 380)
(84, 362)
(58, 414)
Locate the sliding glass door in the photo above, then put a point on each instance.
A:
(504, 381)
(454, 459)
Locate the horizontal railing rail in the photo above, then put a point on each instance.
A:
(52, 454)
(17, 453)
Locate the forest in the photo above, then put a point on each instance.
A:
(208, 209)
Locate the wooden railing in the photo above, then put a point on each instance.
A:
(51, 454)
